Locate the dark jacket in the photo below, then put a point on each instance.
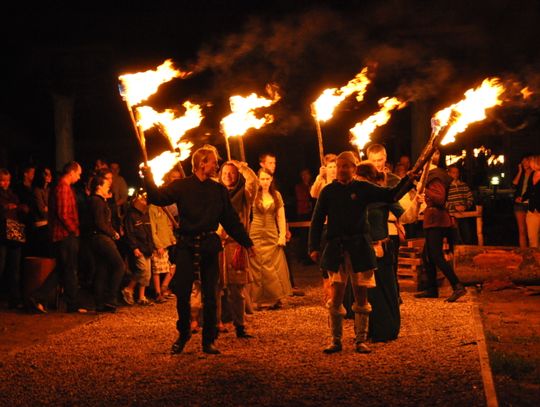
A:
(100, 220)
(139, 231)
(347, 226)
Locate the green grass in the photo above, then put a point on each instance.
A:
(513, 365)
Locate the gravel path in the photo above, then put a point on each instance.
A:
(123, 359)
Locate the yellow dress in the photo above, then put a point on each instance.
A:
(269, 267)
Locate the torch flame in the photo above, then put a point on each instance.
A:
(470, 109)
(362, 130)
(162, 164)
(526, 92)
(173, 127)
(138, 87)
(324, 106)
(243, 116)
(495, 160)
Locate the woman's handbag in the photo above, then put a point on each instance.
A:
(15, 231)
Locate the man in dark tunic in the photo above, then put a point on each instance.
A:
(348, 251)
(203, 204)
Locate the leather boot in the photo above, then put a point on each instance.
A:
(459, 291)
(335, 320)
(180, 344)
(361, 324)
(241, 332)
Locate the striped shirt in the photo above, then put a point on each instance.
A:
(459, 193)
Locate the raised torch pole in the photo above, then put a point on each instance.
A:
(242, 150)
(423, 161)
(319, 134)
(227, 146)
(138, 131)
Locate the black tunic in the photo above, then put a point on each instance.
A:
(202, 206)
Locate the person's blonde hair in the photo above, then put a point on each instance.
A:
(201, 156)
(535, 159)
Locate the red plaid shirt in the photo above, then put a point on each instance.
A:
(63, 214)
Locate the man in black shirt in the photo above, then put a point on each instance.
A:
(203, 204)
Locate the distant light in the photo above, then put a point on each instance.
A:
(131, 191)
(494, 180)
(502, 174)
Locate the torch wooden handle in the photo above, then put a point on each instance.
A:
(319, 134)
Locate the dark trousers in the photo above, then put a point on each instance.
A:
(109, 270)
(465, 231)
(66, 252)
(433, 258)
(182, 284)
(10, 263)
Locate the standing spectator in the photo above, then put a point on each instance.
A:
(163, 238)
(533, 195)
(460, 199)
(521, 182)
(405, 160)
(268, 162)
(438, 225)
(63, 218)
(304, 204)
(41, 194)
(327, 174)
(109, 266)
(119, 190)
(400, 170)
(304, 208)
(268, 232)
(24, 190)
(385, 319)
(11, 238)
(376, 154)
(141, 246)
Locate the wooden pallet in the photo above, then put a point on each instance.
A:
(410, 262)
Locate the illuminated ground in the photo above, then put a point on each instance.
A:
(124, 359)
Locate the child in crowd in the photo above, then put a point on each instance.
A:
(139, 240)
(163, 238)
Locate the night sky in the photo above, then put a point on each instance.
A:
(422, 52)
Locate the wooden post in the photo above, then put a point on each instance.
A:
(479, 225)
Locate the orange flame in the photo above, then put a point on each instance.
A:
(469, 110)
(495, 160)
(243, 116)
(526, 92)
(325, 105)
(138, 87)
(173, 127)
(362, 131)
(162, 164)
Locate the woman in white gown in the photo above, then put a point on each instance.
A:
(268, 228)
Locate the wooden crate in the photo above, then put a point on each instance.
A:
(410, 263)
